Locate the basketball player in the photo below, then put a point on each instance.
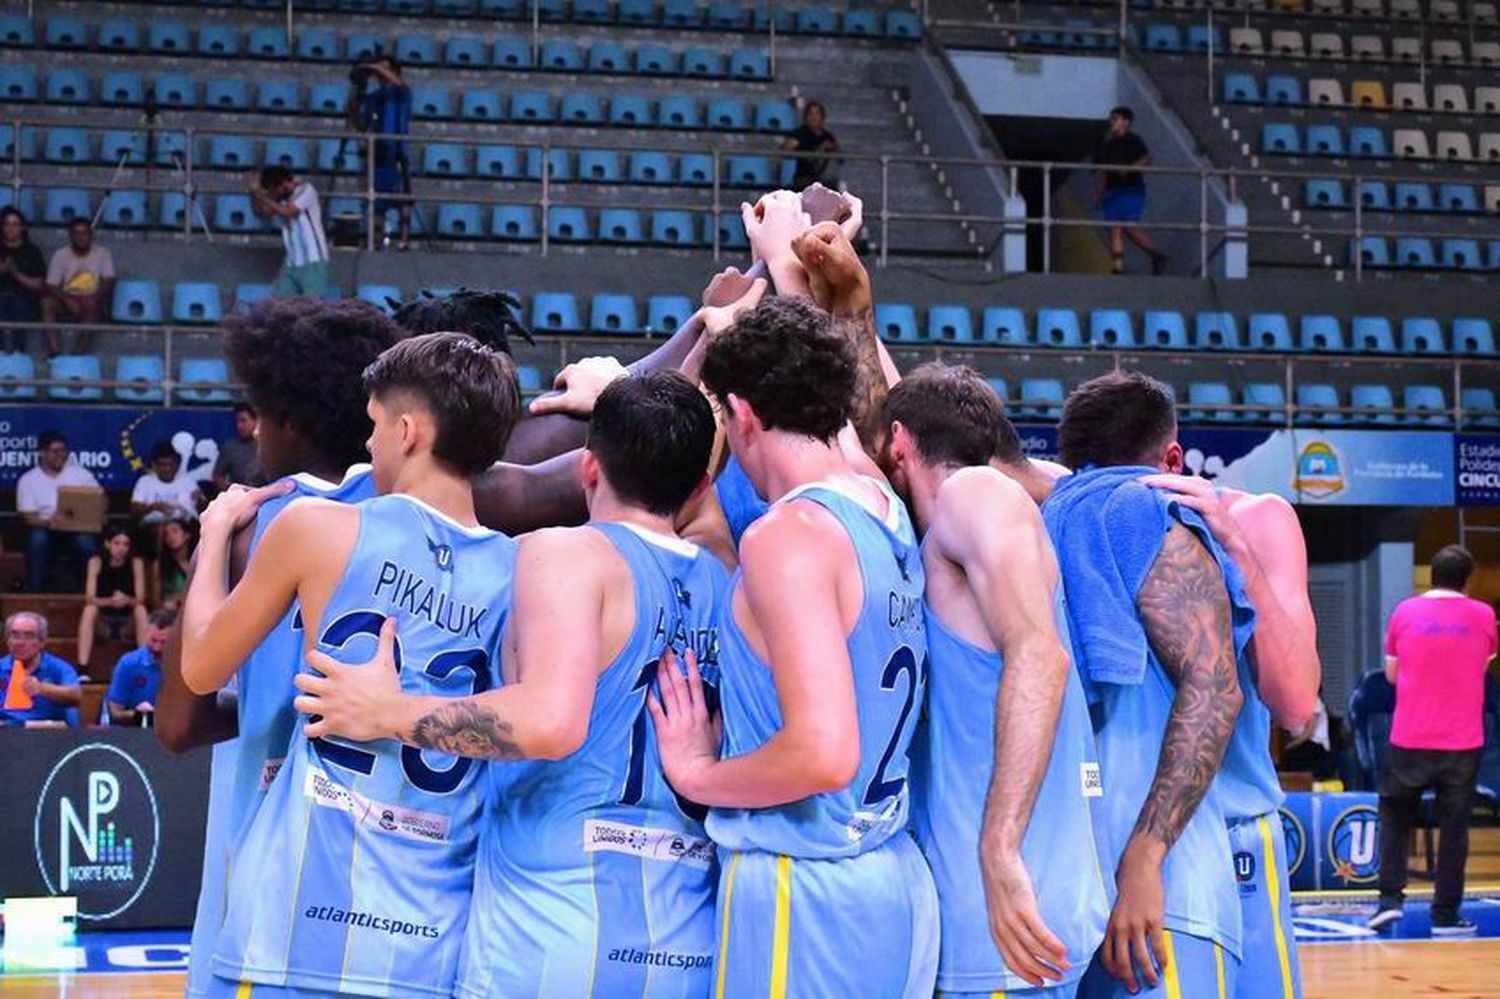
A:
(1160, 626)
(821, 672)
(355, 874)
(594, 879)
(1007, 717)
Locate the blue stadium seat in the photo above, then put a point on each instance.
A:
(125, 210)
(950, 324)
(136, 302)
(1375, 195)
(165, 36)
(695, 169)
(511, 53)
(727, 15)
(1430, 401)
(1320, 400)
(459, 221)
(1164, 330)
(760, 17)
(292, 153)
(896, 322)
(529, 379)
(566, 224)
(1415, 251)
(1422, 335)
(1004, 325)
(218, 40)
(318, 45)
(902, 24)
(1058, 328)
(1369, 399)
(562, 55)
(498, 161)
(581, 109)
(455, 8)
(173, 210)
(267, 43)
(750, 171)
(559, 165)
(1373, 250)
(1280, 138)
(706, 63)
(231, 152)
(335, 156)
(650, 168)
(430, 101)
(553, 312)
(516, 223)
(444, 159)
(727, 114)
(592, 12)
(16, 30)
(672, 228)
(327, 98)
(144, 374)
(196, 374)
(1216, 331)
(131, 146)
(1283, 90)
(279, 97)
(608, 57)
(998, 386)
(1413, 197)
(681, 13)
(1322, 335)
(1367, 142)
(67, 145)
(601, 165)
(121, 89)
(1473, 335)
(749, 64)
(464, 50)
(1324, 140)
(530, 105)
(664, 313)
(862, 23)
(1207, 400)
(16, 368)
(481, 105)
(1462, 255)
(630, 109)
(1457, 198)
(642, 12)
(7, 143)
(232, 214)
(61, 205)
(621, 225)
(731, 231)
(64, 86)
(379, 295)
(1241, 88)
(1199, 37)
(67, 33)
(78, 369)
(196, 302)
(1371, 335)
(117, 35)
(1267, 394)
(1492, 250)
(1269, 331)
(18, 83)
(1041, 398)
(1163, 38)
(1323, 193)
(1112, 329)
(416, 50)
(1479, 407)
(226, 94)
(248, 293)
(679, 112)
(656, 60)
(774, 116)
(361, 45)
(817, 21)
(552, 10)
(174, 90)
(614, 314)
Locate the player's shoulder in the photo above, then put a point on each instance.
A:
(799, 530)
(980, 488)
(564, 543)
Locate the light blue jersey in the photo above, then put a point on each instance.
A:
(356, 872)
(828, 895)
(950, 787)
(243, 767)
(742, 505)
(594, 878)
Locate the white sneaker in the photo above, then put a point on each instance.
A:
(1385, 916)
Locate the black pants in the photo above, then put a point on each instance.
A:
(1408, 773)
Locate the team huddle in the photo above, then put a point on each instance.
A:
(801, 679)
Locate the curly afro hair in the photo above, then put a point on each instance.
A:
(301, 362)
(488, 316)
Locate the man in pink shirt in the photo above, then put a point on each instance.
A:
(1437, 646)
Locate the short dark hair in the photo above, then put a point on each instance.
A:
(814, 104)
(784, 358)
(1008, 448)
(1123, 112)
(1451, 567)
(242, 407)
(950, 410)
(10, 210)
(80, 220)
(653, 435)
(1116, 419)
(469, 388)
(164, 618)
(491, 317)
(274, 176)
(47, 438)
(300, 360)
(164, 449)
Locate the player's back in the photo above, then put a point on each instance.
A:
(594, 878)
(356, 873)
(243, 767)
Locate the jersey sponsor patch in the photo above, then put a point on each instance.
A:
(644, 841)
(408, 823)
(1093, 780)
(269, 771)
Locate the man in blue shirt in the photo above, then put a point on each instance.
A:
(38, 686)
(385, 109)
(132, 689)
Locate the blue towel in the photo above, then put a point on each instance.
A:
(742, 505)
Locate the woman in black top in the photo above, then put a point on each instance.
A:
(113, 595)
(812, 137)
(23, 279)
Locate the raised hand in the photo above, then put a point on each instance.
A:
(236, 506)
(727, 287)
(771, 224)
(836, 278)
(578, 386)
(823, 204)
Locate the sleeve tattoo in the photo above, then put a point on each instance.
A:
(465, 728)
(1186, 612)
(858, 329)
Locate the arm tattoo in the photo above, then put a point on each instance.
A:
(869, 386)
(1186, 612)
(465, 728)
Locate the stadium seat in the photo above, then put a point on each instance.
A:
(66, 33)
(173, 210)
(279, 97)
(650, 168)
(289, 152)
(267, 43)
(672, 228)
(746, 64)
(481, 105)
(327, 98)
(1267, 394)
(1372, 250)
(1283, 90)
(1216, 331)
(510, 53)
(248, 293)
(554, 312)
(1322, 335)
(337, 156)
(1004, 325)
(695, 169)
(817, 21)
(1479, 407)
(1323, 193)
(620, 225)
(1325, 140)
(125, 210)
(601, 165)
(143, 375)
(1280, 138)
(726, 114)
(568, 225)
(706, 63)
(639, 12)
(457, 220)
(1473, 336)
(464, 50)
(750, 171)
(431, 102)
(196, 302)
(1371, 335)
(949, 324)
(1163, 38)
(232, 214)
(559, 166)
(1415, 251)
(1367, 142)
(1372, 403)
(514, 222)
(16, 30)
(18, 83)
(1461, 255)
(608, 57)
(727, 15)
(664, 313)
(1058, 328)
(317, 45)
(1422, 335)
(902, 24)
(679, 112)
(1241, 88)
(561, 55)
(1408, 96)
(1269, 331)
(165, 36)
(1368, 94)
(774, 116)
(1429, 401)
(1413, 197)
(196, 374)
(498, 161)
(592, 12)
(529, 379)
(1164, 330)
(62, 205)
(1207, 400)
(129, 146)
(67, 146)
(656, 60)
(1112, 329)
(630, 109)
(442, 159)
(77, 369)
(1320, 402)
(16, 368)
(174, 90)
(896, 322)
(379, 295)
(1457, 198)
(137, 302)
(221, 41)
(730, 230)
(614, 314)
(231, 152)
(226, 95)
(1041, 397)
(581, 109)
(529, 105)
(1375, 195)
(64, 86)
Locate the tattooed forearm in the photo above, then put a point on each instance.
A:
(465, 728)
(1185, 608)
(858, 328)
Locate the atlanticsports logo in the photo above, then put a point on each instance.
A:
(1319, 471)
(1296, 841)
(1353, 844)
(96, 830)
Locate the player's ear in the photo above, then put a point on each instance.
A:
(740, 412)
(589, 472)
(1171, 459)
(406, 423)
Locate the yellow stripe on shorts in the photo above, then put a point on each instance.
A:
(1173, 983)
(243, 992)
(1219, 968)
(1273, 897)
(734, 865)
(781, 934)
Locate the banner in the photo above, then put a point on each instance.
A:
(1476, 459)
(113, 442)
(1332, 840)
(107, 816)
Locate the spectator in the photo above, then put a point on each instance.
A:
(40, 688)
(238, 461)
(23, 279)
(133, 686)
(277, 194)
(1122, 193)
(385, 109)
(1437, 648)
(80, 283)
(36, 501)
(114, 595)
(1313, 748)
(172, 564)
(812, 137)
(164, 492)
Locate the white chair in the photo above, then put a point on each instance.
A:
(1367, 47)
(1405, 48)
(1325, 92)
(1406, 10)
(1326, 45)
(1492, 197)
(1369, 8)
(1409, 97)
(1487, 99)
(1411, 144)
(1484, 13)
(1454, 146)
(1447, 50)
(1489, 146)
(1485, 53)
(1246, 41)
(1288, 43)
(1450, 97)
(1328, 6)
(1444, 10)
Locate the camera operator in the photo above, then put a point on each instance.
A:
(381, 102)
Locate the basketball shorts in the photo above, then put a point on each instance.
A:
(1268, 969)
(223, 988)
(1065, 991)
(865, 926)
(1195, 969)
